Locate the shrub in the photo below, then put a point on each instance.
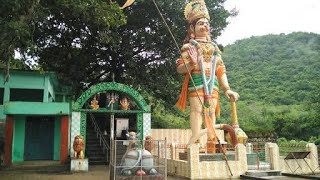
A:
(282, 140)
(317, 141)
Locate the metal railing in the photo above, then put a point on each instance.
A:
(99, 135)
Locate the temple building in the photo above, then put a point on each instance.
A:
(35, 109)
(39, 119)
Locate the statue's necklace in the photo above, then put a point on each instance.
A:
(207, 49)
(207, 84)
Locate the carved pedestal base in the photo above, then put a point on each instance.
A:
(79, 165)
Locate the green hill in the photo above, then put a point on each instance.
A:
(277, 69)
(277, 77)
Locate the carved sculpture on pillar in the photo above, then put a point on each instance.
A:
(78, 147)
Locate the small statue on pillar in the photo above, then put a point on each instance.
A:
(78, 147)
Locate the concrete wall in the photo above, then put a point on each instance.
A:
(194, 169)
(180, 136)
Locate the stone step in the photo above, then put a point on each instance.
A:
(97, 153)
(97, 158)
(98, 162)
(261, 166)
(94, 151)
(38, 166)
(276, 177)
(261, 173)
(90, 145)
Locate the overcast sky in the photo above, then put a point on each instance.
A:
(261, 17)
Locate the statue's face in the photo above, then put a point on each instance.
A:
(202, 28)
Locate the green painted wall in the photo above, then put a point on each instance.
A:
(36, 108)
(18, 139)
(2, 116)
(46, 81)
(56, 150)
(18, 80)
(45, 90)
(51, 92)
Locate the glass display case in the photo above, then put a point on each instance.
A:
(137, 159)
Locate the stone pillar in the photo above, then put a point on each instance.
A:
(193, 160)
(173, 151)
(313, 156)
(249, 148)
(272, 155)
(146, 124)
(241, 156)
(75, 129)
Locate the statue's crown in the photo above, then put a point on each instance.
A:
(196, 9)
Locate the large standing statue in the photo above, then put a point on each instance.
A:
(202, 58)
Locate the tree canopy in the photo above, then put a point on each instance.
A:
(87, 41)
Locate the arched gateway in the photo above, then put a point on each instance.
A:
(107, 91)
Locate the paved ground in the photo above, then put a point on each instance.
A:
(95, 173)
(100, 172)
(58, 172)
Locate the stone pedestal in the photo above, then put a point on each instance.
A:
(79, 165)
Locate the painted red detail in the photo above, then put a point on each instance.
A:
(8, 141)
(64, 139)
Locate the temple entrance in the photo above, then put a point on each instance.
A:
(39, 138)
(121, 122)
(98, 131)
(104, 113)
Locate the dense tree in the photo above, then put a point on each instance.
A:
(71, 39)
(16, 28)
(86, 42)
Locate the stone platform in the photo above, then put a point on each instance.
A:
(209, 156)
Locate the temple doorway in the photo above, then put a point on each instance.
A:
(39, 138)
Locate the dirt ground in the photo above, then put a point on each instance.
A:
(98, 172)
